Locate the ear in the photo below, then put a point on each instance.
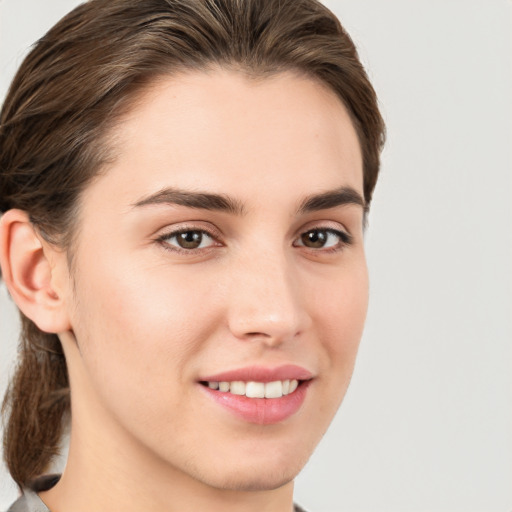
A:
(35, 272)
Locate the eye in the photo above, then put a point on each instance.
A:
(323, 238)
(187, 240)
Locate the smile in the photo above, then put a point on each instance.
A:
(252, 389)
(257, 394)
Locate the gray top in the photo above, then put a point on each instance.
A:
(31, 502)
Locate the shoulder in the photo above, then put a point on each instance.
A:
(29, 501)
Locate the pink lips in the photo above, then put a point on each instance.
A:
(261, 374)
(262, 411)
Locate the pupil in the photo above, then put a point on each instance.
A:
(190, 239)
(314, 239)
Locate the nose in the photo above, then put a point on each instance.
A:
(267, 301)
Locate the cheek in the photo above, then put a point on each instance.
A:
(137, 329)
(338, 311)
(340, 316)
(142, 303)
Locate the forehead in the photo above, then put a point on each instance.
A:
(224, 132)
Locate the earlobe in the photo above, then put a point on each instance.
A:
(32, 272)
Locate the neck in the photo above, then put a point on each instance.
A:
(111, 480)
(109, 469)
(105, 477)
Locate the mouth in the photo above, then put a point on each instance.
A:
(261, 397)
(253, 389)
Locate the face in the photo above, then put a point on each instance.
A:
(220, 258)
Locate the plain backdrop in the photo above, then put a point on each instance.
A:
(427, 423)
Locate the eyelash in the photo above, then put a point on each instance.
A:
(344, 240)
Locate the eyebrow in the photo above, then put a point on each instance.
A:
(331, 199)
(221, 202)
(199, 200)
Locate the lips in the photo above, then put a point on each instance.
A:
(261, 374)
(257, 394)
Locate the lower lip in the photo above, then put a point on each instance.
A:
(262, 411)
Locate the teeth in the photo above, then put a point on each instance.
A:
(275, 389)
(255, 390)
(237, 388)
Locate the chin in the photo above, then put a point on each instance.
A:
(251, 475)
(259, 480)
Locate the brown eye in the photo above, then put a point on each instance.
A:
(323, 239)
(315, 239)
(188, 240)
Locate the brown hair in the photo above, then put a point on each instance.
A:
(74, 85)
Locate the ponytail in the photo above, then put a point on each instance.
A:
(35, 403)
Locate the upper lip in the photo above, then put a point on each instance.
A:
(261, 374)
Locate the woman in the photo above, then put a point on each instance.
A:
(184, 187)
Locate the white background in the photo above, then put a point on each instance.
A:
(427, 423)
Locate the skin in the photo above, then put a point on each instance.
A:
(141, 322)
